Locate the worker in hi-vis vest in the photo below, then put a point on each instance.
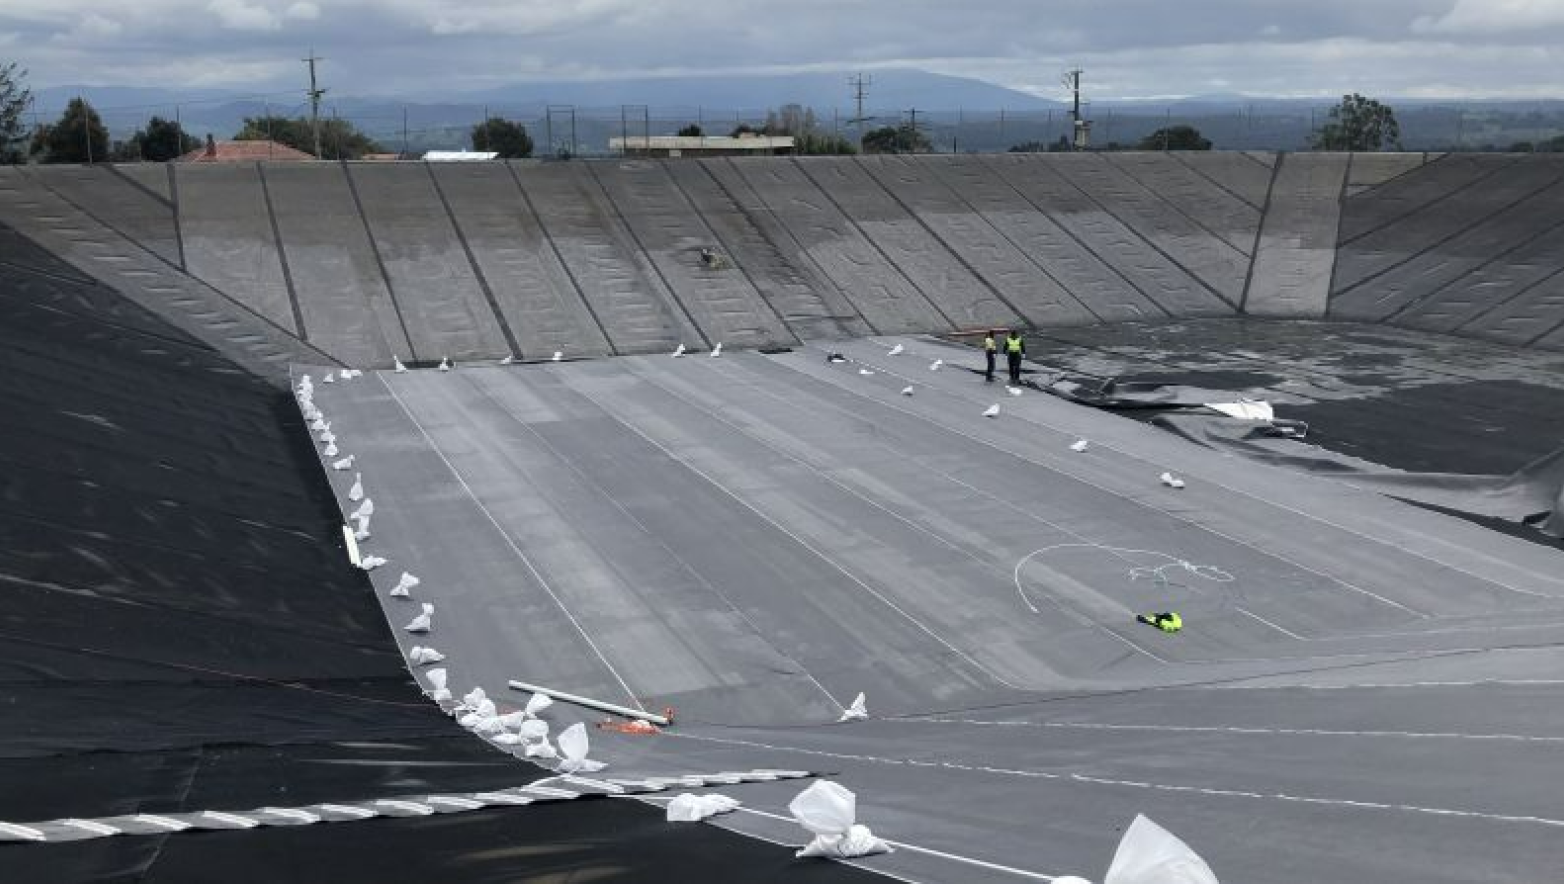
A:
(990, 351)
(1015, 348)
(1167, 621)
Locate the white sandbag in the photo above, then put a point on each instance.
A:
(1014, 391)
(345, 463)
(1080, 446)
(540, 749)
(356, 493)
(437, 681)
(506, 739)
(906, 391)
(896, 350)
(573, 746)
(1171, 480)
(935, 365)
(328, 438)
(825, 808)
(422, 656)
(510, 359)
(488, 726)
(992, 410)
(397, 366)
(370, 563)
(361, 529)
(514, 720)
(408, 581)
(533, 730)
(537, 703)
(858, 711)
(318, 425)
(858, 841)
(1245, 409)
(331, 449)
(330, 378)
(717, 350)
(486, 709)
(1150, 854)
(367, 508)
(472, 698)
(445, 364)
(865, 372)
(422, 622)
(558, 356)
(691, 808)
(678, 351)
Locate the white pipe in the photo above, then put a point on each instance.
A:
(627, 712)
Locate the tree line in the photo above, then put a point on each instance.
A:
(1356, 123)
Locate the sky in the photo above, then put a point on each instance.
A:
(1129, 48)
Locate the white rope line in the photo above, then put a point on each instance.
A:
(72, 829)
(1136, 572)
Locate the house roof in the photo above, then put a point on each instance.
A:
(244, 152)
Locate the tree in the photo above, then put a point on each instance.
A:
(895, 139)
(744, 129)
(339, 139)
(162, 140)
(819, 144)
(1359, 124)
(692, 131)
(77, 137)
(509, 140)
(14, 99)
(1180, 137)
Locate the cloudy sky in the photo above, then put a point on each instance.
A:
(1131, 48)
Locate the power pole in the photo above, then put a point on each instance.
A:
(912, 145)
(860, 84)
(315, 94)
(1072, 81)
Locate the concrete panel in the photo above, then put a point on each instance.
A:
(965, 232)
(608, 266)
(1361, 264)
(1532, 317)
(1493, 284)
(722, 301)
(1370, 170)
(103, 255)
(1204, 202)
(1240, 173)
(534, 292)
(1045, 180)
(229, 241)
(1216, 268)
(1292, 267)
(1075, 269)
(341, 290)
(940, 275)
(1410, 192)
(153, 177)
(748, 233)
(443, 304)
(119, 205)
(1403, 289)
(885, 299)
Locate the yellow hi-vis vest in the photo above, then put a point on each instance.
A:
(1013, 345)
(1171, 623)
(989, 345)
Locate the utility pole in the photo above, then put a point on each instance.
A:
(1072, 81)
(860, 84)
(912, 141)
(404, 133)
(315, 94)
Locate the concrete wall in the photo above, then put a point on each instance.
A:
(369, 261)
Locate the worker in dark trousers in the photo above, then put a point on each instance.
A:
(1015, 349)
(990, 352)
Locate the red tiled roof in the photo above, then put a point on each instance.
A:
(244, 152)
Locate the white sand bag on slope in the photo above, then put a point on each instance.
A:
(1150, 854)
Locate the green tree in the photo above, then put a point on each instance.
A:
(14, 99)
(1180, 137)
(160, 141)
(77, 137)
(504, 137)
(895, 139)
(339, 139)
(818, 144)
(691, 131)
(1360, 124)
